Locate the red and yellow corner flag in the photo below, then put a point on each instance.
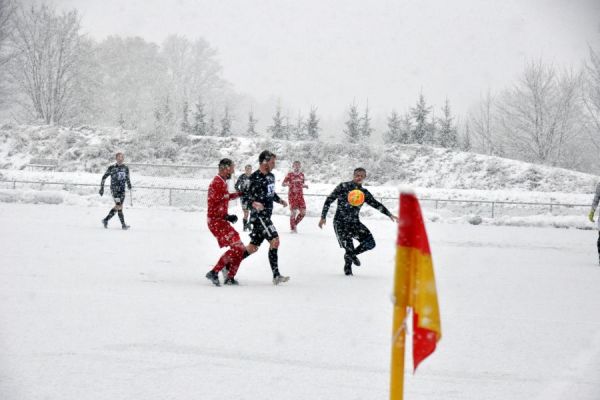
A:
(414, 288)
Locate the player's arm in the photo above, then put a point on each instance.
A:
(330, 199)
(279, 200)
(127, 176)
(254, 194)
(238, 184)
(106, 175)
(370, 200)
(286, 180)
(595, 203)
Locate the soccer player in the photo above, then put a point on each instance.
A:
(119, 178)
(241, 186)
(261, 195)
(295, 181)
(346, 223)
(219, 220)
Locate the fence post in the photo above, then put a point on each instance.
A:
(550, 207)
(493, 204)
(14, 184)
(436, 204)
(170, 197)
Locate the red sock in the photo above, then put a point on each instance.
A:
(236, 260)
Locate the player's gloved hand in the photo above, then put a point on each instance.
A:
(101, 191)
(591, 216)
(232, 218)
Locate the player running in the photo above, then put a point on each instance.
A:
(119, 178)
(219, 220)
(295, 181)
(346, 223)
(241, 186)
(261, 195)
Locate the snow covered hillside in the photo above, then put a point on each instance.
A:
(90, 149)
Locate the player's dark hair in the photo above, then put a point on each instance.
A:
(360, 169)
(266, 155)
(224, 163)
(248, 165)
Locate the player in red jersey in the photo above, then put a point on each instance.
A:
(219, 223)
(295, 181)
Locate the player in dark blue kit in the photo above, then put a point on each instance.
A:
(119, 179)
(350, 197)
(261, 195)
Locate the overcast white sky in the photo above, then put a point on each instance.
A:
(329, 53)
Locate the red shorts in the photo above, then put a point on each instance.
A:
(225, 233)
(297, 202)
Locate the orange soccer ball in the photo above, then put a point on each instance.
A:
(356, 197)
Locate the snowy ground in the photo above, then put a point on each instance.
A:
(88, 313)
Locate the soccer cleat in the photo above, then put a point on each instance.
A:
(294, 230)
(213, 277)
(279, 279)
(105, 223)
(230, 281)
(125, 227)
(347, 265)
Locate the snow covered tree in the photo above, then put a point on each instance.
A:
(485, 136)
(312, 125)
(212, 125)
(298, 131)
(200, 126)
(365, 125)
(251, 129)
(185, 120)
(591, 96)
(352, 130)
(45, 67)
(278, 128)
(226, 122)
(465, 143)
(394, 131)
(447, 134)
(7, 13)
(422, 130)
(540, 115)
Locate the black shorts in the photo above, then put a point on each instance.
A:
(262, 229)
(246, 203)
(119, 197)
(346, 232)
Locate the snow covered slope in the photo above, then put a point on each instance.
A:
(90, 149)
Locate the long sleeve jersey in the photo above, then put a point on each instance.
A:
(243, 184)
(262, 190)
(346, 212)
(295, 181)
(596, 197)
(119, 177)
(218, 198)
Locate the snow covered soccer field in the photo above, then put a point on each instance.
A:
(88, 313)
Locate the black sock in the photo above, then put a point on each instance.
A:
(598, 243)
(273, 262)
(245, 222)
(110, 214)
(246, 254)
(122, 217)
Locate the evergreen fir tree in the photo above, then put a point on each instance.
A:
(352, 130)
(251, 130)
(200, 126)
(448, 136)
(406, 128)
(226, 123)
(211, 128)
(299, 129)
(394, 132)
(278, 128)
(422, 131)
(312, 125)
(365, 124)
(185, 123)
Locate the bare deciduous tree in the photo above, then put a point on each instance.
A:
(46, 64)
(591, 96)
(483, 136)
(7, 12)
(540, 115)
